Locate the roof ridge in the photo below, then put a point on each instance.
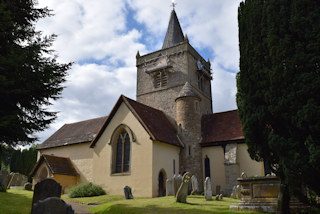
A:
(86, 120)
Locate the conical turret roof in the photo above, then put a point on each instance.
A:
(174, 33)
(187, 91)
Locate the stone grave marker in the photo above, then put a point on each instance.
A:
(127, 192)
(243, 175)
(28, 186)
(177, 180)
(17, 179)
(207, 188)
(195, 185)
(3, 179)
(169, 187)
(182, 193)
(52, 205)
(45, 189)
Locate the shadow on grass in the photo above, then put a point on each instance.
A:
(15, 203)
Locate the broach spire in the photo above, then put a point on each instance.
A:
(174, 33)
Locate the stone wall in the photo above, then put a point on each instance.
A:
(231, 167)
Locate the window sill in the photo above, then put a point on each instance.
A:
(121, 174)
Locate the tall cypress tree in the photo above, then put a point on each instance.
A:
(279, 89)
(30, 76)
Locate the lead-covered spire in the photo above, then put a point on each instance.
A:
(174, 33)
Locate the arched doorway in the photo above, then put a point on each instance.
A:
(162, 183)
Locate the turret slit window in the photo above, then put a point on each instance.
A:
(160, 79)
(122, 153)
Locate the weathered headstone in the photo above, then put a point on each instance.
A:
(52, 205)
(45, 189)
(176, 183)
(220, 197)
(3, 179)
(243, 175)
(17, 179)
(169, 187)
(182, 193)
(195, 185)
(217, 197)
(28, 186)
(208, 190)
(127, 192)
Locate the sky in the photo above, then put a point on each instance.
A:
(102, 37)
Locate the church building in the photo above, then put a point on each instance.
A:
(170, 129)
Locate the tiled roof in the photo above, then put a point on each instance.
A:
(73, 133)
(221, 128)
(57, 165)
(174, 33)
(187, 91)
(154, 121)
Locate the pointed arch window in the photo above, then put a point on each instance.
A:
(122, 153)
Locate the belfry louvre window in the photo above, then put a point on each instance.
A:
(123, 153)
(160, 79)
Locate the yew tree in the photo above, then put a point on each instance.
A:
(30, 76)
(279, 89)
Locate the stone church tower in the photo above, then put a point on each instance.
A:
(177, 81)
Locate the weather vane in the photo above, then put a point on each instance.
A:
(173, 4)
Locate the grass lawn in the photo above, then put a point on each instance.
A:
(19, 201)
(15, 201)
(163, 205)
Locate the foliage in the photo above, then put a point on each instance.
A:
(19, 161)
(16, 201)
(30, 76)
(86, 190)
(279, 88)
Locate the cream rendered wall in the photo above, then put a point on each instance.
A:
(66, 181)
(80, 155)
(217, 169)
(163, 156)
(140, 176)
(246, 164)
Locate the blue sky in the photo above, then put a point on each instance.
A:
(102, 38)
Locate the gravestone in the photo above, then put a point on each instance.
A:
(28, 186)
(243, 175)
(3, 179)
(45, 189)
(52, 205)
(217, 197)
(220, 197)
(169, 187)
(236, 192)
(207, 188)
(17, 179)
(195, 185)
(177, 180)
(127, 192)
(182, 193)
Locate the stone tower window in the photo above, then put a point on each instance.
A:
(160, 79)
(200, 81)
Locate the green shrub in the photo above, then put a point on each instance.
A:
(86, 190)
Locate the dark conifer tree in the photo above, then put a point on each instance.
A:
(30, 76)
(279, 89)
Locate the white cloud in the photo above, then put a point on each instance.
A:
(102, 40)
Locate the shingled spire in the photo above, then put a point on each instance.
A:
(174, 33)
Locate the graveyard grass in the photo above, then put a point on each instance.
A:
(19, 201)
(15, 201)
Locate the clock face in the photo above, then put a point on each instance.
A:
(199, 64)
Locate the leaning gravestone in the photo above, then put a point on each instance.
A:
(45, 189)
(182, 193)
(3, 179)
(127, 192)
(177, 180)
(195, 185)
(169, 187)
(52, 205)
(208, 190)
